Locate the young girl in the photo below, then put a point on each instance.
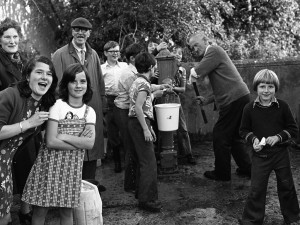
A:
(55, 178)
(270, 119)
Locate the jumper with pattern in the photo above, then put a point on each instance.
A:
(6, 156)
(55, 178)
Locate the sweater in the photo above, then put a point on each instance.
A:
(260, 121)
(227, 84)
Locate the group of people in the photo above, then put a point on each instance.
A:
(266, 124)
(71, 95)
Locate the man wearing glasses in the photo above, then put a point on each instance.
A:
(79, 51)
(112, 70)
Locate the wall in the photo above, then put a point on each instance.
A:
(288, 72)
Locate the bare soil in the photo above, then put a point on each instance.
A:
(188, 198)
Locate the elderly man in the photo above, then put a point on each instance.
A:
(79, 51)
(230, 95)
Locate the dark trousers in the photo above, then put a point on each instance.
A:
(89, 169)
(226, 139)
(113, 134)
(128, 145)
(147, 173)
(184, 144)
(254, 211)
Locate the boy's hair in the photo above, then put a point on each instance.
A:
(144, 61)
(69, 75)
(109, 45)
(133, 50)
(266, 76)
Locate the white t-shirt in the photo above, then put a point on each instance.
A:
(62, 110)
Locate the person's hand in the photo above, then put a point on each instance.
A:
(201, 100)
(148, 135)
(161, 46)
(158, 93)
(165, 86)
(156, 74)
(87, 132)
(153, 134)
(256, 146)
(272, 140)
(36, 120)
(193, 73)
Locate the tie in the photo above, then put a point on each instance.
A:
(82, 57)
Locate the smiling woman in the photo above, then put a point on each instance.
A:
(11, 66)
(24, 108)
(10, 61)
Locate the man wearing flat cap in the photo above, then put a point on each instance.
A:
(79, 51)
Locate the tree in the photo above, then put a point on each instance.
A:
(245, 28)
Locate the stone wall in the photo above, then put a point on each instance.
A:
(288, 72)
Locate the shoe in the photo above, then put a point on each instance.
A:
(101, 188)
(25, 218)
(191, 160)
(212, 175)
(152, 206)
(118, 168)
(243, 173)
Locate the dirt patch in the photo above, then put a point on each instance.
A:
(187, 197)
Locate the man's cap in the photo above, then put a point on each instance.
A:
(81, 22)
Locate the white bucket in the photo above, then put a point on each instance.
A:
(167, 116)
(89, 211)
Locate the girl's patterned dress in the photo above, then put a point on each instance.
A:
(55, 178)
(6, 157)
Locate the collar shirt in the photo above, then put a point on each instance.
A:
(78, 50)
(122, 101)
(111, 75)
(258, 104)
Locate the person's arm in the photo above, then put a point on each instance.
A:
(209, 62)
(290, 127)
(52, 141)
(141, 98)
(65, 141)
(156, 87)
(81, 142)
(245, 130)
(182, 78)
(9, 103)
(161, 46)
(8, 131)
